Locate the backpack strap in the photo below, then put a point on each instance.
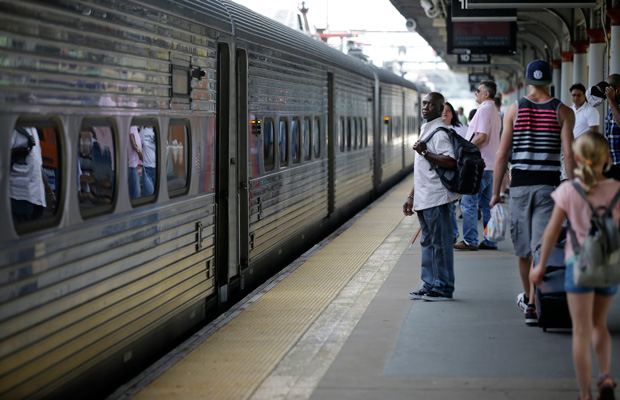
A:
(608, 212)
(27, 135)
(441, 128)
(426, 139)
(612, 204)
(579, 190)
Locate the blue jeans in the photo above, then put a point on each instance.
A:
(437, 251)
(148, 180)
(134, 183)
(570, 287)
(470, 204)
(455, 227)
(24, 211)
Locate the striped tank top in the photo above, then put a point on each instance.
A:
(537, 143)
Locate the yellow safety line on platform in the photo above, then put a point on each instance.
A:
(234, 361)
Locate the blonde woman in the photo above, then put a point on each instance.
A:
(588, 306)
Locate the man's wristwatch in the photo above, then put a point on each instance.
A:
(424, 153)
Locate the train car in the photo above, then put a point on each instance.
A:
(163, 159)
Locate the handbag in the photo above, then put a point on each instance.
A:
(495, 231)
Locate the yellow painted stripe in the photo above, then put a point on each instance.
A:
(234, 361)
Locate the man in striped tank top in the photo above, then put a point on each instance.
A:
(537, 128)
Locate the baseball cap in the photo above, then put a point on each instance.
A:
(596, 94)
(538, 73)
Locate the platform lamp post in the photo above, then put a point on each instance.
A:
(556, 76)
(596, 70)
(614, 42)
(567, 77)
(580, 62)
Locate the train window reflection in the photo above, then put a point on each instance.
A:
(35, 175)
(354, 132)
(268, 144)
(142, 160)
(295, 140)
(316, 136)
(177, 157)
(283, 142)
(361, 132)
(95, 168)
(307, 137)
(348, 134)
(341, 134)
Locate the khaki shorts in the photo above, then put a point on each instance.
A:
(530, 211)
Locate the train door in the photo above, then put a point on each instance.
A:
(403, 128)
(224, 235)
(243, 156)
(331, 142)
(376, 132)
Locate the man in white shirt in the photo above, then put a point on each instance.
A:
(431, 200)
(484, 130)
(586, 116)
(28, 186)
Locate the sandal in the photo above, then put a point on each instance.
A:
(605, 390)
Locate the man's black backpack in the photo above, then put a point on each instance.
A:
(466, 178)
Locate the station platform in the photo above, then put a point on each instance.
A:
(338, 324)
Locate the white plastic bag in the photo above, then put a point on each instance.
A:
(495, 231)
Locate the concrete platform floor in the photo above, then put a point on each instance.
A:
(373, 342)
(476, 347)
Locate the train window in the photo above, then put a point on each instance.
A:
(354, 133)
(307, 138)
(341, 133)
(142, 159)
(348, 134)
(295, 140)
(365, 130)
(268, 144)
(283, 142)
(180, 81)
(316, 136)
(96, 167)
(360, 133)
(35, 174)
(177, 157)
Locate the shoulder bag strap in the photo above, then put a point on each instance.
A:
(612, 205)
(573, 235)
(441, 128)
(579, 190)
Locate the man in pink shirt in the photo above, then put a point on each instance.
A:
(483, 131)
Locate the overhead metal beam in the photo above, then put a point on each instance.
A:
(476, 4)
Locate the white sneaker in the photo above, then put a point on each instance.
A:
(521, 304)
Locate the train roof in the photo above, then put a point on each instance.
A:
(389, 77)
(246, 24)
(257, 28)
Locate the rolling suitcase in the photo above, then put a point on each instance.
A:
(551, 304)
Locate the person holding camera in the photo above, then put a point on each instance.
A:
(612, 124)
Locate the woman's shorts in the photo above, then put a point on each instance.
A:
(569, 283)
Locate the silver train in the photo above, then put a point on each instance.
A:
(255, 141)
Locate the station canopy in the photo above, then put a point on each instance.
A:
(489, 35)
